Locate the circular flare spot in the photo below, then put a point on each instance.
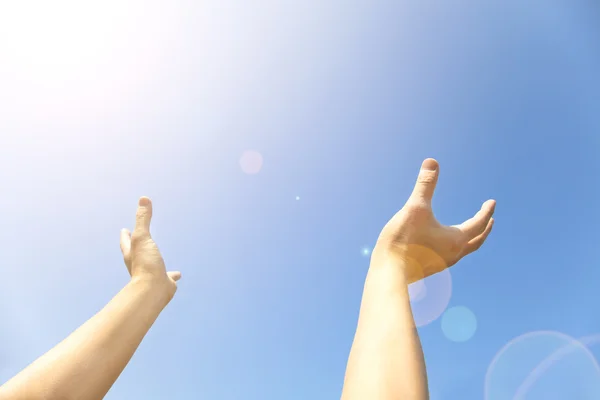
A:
(431, 299)
(417, 290)
(543, 365)
(459, 324)
(251, 162)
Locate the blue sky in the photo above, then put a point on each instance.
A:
(103, 103)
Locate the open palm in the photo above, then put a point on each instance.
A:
(425, 246)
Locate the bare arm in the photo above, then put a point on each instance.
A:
(87, 363)
(386, 360)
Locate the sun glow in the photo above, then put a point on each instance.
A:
(59, 53)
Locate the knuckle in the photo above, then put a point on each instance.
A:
(426, 178)
(416, 206)
(138, 237)
(456, 246)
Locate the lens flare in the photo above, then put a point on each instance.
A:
(543, 365)
(417, 291)
(251, 162)
(430, 300)
(573, 362)
(459, 324)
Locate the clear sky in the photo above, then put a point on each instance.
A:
(103, 102)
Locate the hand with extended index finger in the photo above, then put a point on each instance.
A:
(142, 257)
(415, 241)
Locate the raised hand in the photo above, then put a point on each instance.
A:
(85, 365)
(415, 241)
(142, 257)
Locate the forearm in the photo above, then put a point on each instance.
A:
(386, 360)
(86, 364)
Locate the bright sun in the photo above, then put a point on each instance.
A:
(76, 48)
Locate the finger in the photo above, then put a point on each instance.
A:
(143, 217)
(475, 244)
(174, 275)
(426, 181)
(475, 226)
(125, 242)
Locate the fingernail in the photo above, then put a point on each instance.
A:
(144, 201)
(429, 165)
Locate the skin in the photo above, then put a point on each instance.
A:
(386, 360)
(86, 364)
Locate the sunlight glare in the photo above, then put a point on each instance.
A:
(60, 53)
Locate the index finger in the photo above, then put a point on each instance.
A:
(475, 226)
(474, 244)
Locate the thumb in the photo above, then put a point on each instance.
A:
(426, 181)
(174, 275)
(143, 217)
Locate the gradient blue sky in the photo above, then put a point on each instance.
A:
(103, 102)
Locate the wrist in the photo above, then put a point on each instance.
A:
(397, 262)
(387, 274)
(160, 289)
